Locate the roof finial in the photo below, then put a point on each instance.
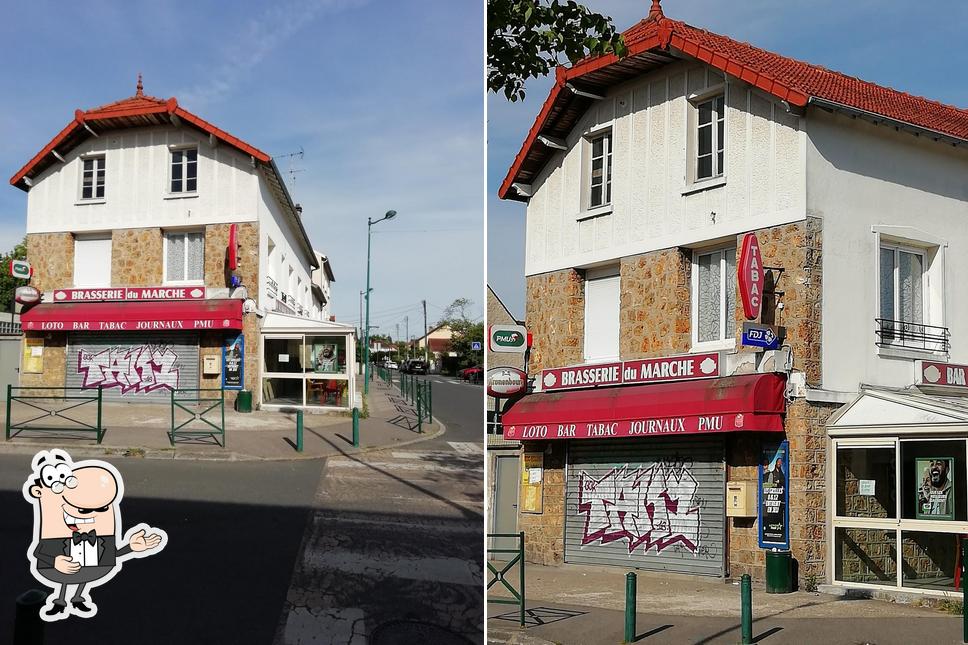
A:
(140, 90)
(656, 11)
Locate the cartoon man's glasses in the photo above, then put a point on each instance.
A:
(58, 477)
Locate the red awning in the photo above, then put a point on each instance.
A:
(178, 315)
(736, 403)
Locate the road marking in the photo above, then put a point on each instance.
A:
(390, 465)
(467, 447)
(391, 565)
(442, 454)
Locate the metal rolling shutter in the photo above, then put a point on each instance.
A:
(682, 483)
(121, 362)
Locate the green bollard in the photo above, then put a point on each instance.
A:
(630, 607)
(28, 626)
(746, 593)
(299, 430)
(419, 416)
(356, 427)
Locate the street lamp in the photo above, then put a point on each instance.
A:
(366, 327)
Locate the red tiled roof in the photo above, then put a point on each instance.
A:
(785, 78)
(130, 112)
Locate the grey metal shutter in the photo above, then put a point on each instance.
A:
(653, 503)
(133, 366)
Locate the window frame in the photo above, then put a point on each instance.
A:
(605, 136)
(182, 148)
(612, 274)
(90, 237)
(164, 256)
(94, 198)
(897, 249)
(723, 342)
(718, 176)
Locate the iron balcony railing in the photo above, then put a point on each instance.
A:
(911, 335)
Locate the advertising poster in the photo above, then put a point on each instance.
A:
(233, 363)
(325, 358)
(532, 477)
(936, 493)
(774, 498)
(33, 356)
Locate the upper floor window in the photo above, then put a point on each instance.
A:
(185, 256)
(710, 137)
(184, 170)
(714, 296)
(600, 168)
(902, 273)
(92, 178)
(602, 307)
(92, 260)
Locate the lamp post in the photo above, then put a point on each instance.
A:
(366, 327)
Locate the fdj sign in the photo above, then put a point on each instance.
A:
(762, 336)
(508, 338)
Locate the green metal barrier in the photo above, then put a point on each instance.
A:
(48, 407)
(202, 410)
(423, 401)
(518, 597)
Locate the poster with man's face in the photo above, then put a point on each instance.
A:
(325, 357)
(936, 493)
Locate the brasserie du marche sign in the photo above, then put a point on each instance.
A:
(648, 370)
(129, 293)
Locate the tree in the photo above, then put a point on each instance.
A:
(464, 332)
(526, 38)
(9, 284)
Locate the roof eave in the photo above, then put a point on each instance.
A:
(875, 118)
(290, 207)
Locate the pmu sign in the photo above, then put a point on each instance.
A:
(751, 276)
(509, 339)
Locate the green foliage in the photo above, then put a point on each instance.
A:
(527, 38)
(464, 331)
(8, 284)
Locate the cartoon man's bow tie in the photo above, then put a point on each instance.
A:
(77, 537)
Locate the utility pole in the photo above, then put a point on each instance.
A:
(361, 314)
(426, 334)
(406, 322)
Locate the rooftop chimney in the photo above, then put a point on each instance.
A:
(656, 11)
(299, 209)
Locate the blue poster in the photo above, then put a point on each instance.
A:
(774, 497)
(233, 363)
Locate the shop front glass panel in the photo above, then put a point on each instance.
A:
(928, 560)
(282, 391)
(283, 355)
(933, 474)
(328, 392)
(867, 556)
(325, 355)
(866, 484)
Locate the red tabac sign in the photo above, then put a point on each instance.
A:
(649, 370)
(129, 293)
(647, 427)
(947, 374)
(751, 276)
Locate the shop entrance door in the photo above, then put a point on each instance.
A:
(647, 503)
(504, 518)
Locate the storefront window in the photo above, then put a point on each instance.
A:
(931, 472)
(929, 559)
(325, 354)
(332, 392)
(282, 391)
(866, 482)
(306, 370)
(283, 355)
(867, 556)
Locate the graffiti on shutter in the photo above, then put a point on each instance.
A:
(142, 368)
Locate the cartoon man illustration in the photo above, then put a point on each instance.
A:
(935, 493)
(77, 525)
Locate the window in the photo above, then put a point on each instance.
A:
(184, 170)
(710, 137)
(714, 295)
(902, 284)
(600, 179)
(602, 293)
(92, 261)
(185, 257)
(92, 178)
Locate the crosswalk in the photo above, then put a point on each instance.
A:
(395, 542)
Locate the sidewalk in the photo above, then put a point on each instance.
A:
(582, 605)
(142, 430)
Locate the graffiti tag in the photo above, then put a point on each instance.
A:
(144, 368)
(654, 507)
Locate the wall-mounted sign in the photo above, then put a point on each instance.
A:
(21, 269)
(532, 482)
(648, 370)
(774, 497)
(233, 362)
(129, 293)
(936, 491)
(27, 295)
(763, 336)
(947, 374)
(506, 381)
(751, 276)
(233, 250)
(507, 339)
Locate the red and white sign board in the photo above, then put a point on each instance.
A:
(647, 427)
(503, 382)
(648, 370)
(184, 324)
(751, 276)
(129, 293)
(942, 374)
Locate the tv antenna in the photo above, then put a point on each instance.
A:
(291, 169)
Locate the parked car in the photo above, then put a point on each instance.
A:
(475, 373)
(390, 365)
(416, 366)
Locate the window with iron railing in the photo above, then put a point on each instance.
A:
(910, 335)
(903, 296)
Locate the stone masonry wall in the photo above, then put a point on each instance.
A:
(216, 243)
(654, 308)
(55, 362)
(544, 541)
(137, 257)
(52, 257)
(555, 315)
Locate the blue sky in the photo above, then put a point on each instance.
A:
(384, 96)
(917, 47)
